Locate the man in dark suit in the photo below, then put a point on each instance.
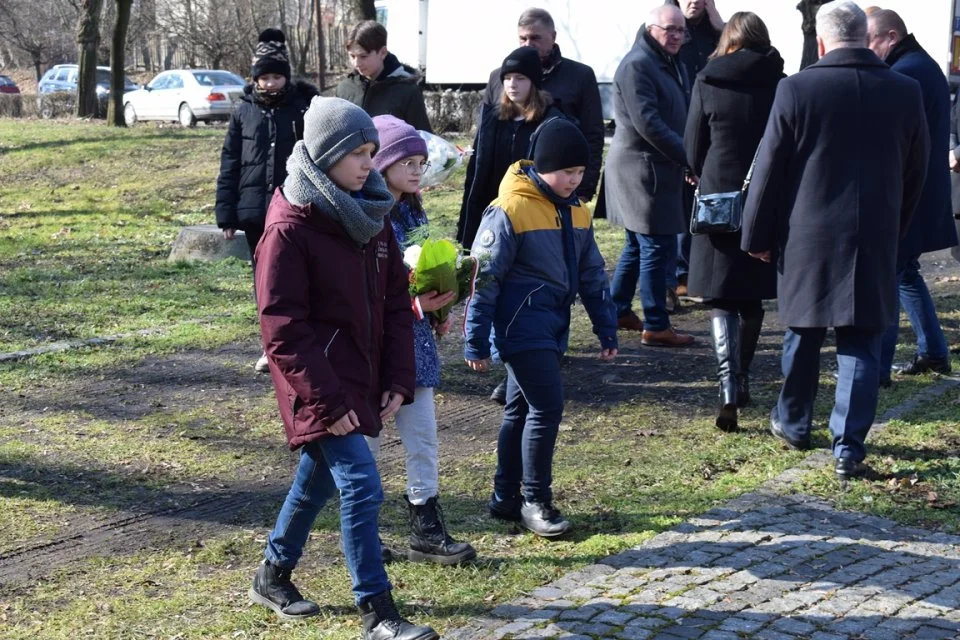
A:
(829, 199)
(572, 84)
(932, 226)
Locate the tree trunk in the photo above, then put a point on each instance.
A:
(115, 112)
(321, 47)
(808, 9)
(368, 9)
(88, 39)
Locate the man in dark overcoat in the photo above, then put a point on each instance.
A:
(829, 200)
(644, 176)
(932, 226)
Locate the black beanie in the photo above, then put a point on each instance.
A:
(524, 60)
(271, 55)
(558, 144)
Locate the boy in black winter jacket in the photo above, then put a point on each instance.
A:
(265, 125)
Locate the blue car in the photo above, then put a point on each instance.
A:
(62, 79)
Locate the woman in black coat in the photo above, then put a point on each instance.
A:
(731, 101)
(503, 136)
(265, 125)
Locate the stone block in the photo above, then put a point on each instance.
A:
(206, 242)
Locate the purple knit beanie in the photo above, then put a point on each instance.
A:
(398, 140)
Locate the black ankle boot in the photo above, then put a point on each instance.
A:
(543, 519)
(750, 327)
(382, 621)
(273, 589)
(499, 394)
(429, 540)
(506, 509)
(726, 343)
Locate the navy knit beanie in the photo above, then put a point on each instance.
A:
(558, 144)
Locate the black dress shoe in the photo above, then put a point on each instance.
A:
(543, 519)
(499, 394)
(848, 468)
(507, 509)
(923, 364)
(777, 430)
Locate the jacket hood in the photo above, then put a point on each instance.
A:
(283, 211)
(516, 182)
(302, 88)
(746, 67)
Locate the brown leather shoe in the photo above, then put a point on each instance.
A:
(681, 290)
(666, 338)
(630, 322)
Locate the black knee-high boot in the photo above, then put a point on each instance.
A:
(726, 343)
(750, 326)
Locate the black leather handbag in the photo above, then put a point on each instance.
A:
(720, 212)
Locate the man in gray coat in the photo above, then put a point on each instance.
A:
(645, 173)
(829, 200)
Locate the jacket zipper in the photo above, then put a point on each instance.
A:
(366, 298)
(326, 349)
(525, 301)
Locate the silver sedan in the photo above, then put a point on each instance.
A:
(185, 95)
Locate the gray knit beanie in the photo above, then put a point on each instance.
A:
(332, 128)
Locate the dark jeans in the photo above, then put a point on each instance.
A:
(915, 299)
(683, 257)
(651, 260)
(531, 420)
(858, 381)
(344, 464)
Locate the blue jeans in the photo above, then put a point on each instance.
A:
(335, 463)
(858, 382)
(915, 299)
(683, 259)
(531, 421)
(652, 260)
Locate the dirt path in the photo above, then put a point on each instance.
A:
(181, 513)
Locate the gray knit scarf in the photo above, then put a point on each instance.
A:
(361, 217)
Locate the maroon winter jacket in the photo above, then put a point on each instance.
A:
(335, 320)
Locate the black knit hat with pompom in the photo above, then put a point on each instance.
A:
(271, 55)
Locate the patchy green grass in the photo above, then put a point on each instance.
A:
(915, 469)
(89, 214)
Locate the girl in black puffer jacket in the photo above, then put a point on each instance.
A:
(265, 125)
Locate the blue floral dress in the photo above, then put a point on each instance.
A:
(405, 219)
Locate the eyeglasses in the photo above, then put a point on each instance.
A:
(672, 31)
(413, 165)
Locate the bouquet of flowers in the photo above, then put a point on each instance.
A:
(444, 158)
(437, 265)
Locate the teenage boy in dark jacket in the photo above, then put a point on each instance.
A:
(379, 84)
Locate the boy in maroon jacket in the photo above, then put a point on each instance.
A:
(338, 333)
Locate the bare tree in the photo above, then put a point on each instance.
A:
(88, 39)
(37, 29)
(117, 50)
(368, 9)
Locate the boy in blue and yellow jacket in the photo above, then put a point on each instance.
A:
(538, 253)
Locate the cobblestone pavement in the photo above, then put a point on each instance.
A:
(764, 566)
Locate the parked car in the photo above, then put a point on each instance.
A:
(185, 95)
(7, 85)
(62, 78)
